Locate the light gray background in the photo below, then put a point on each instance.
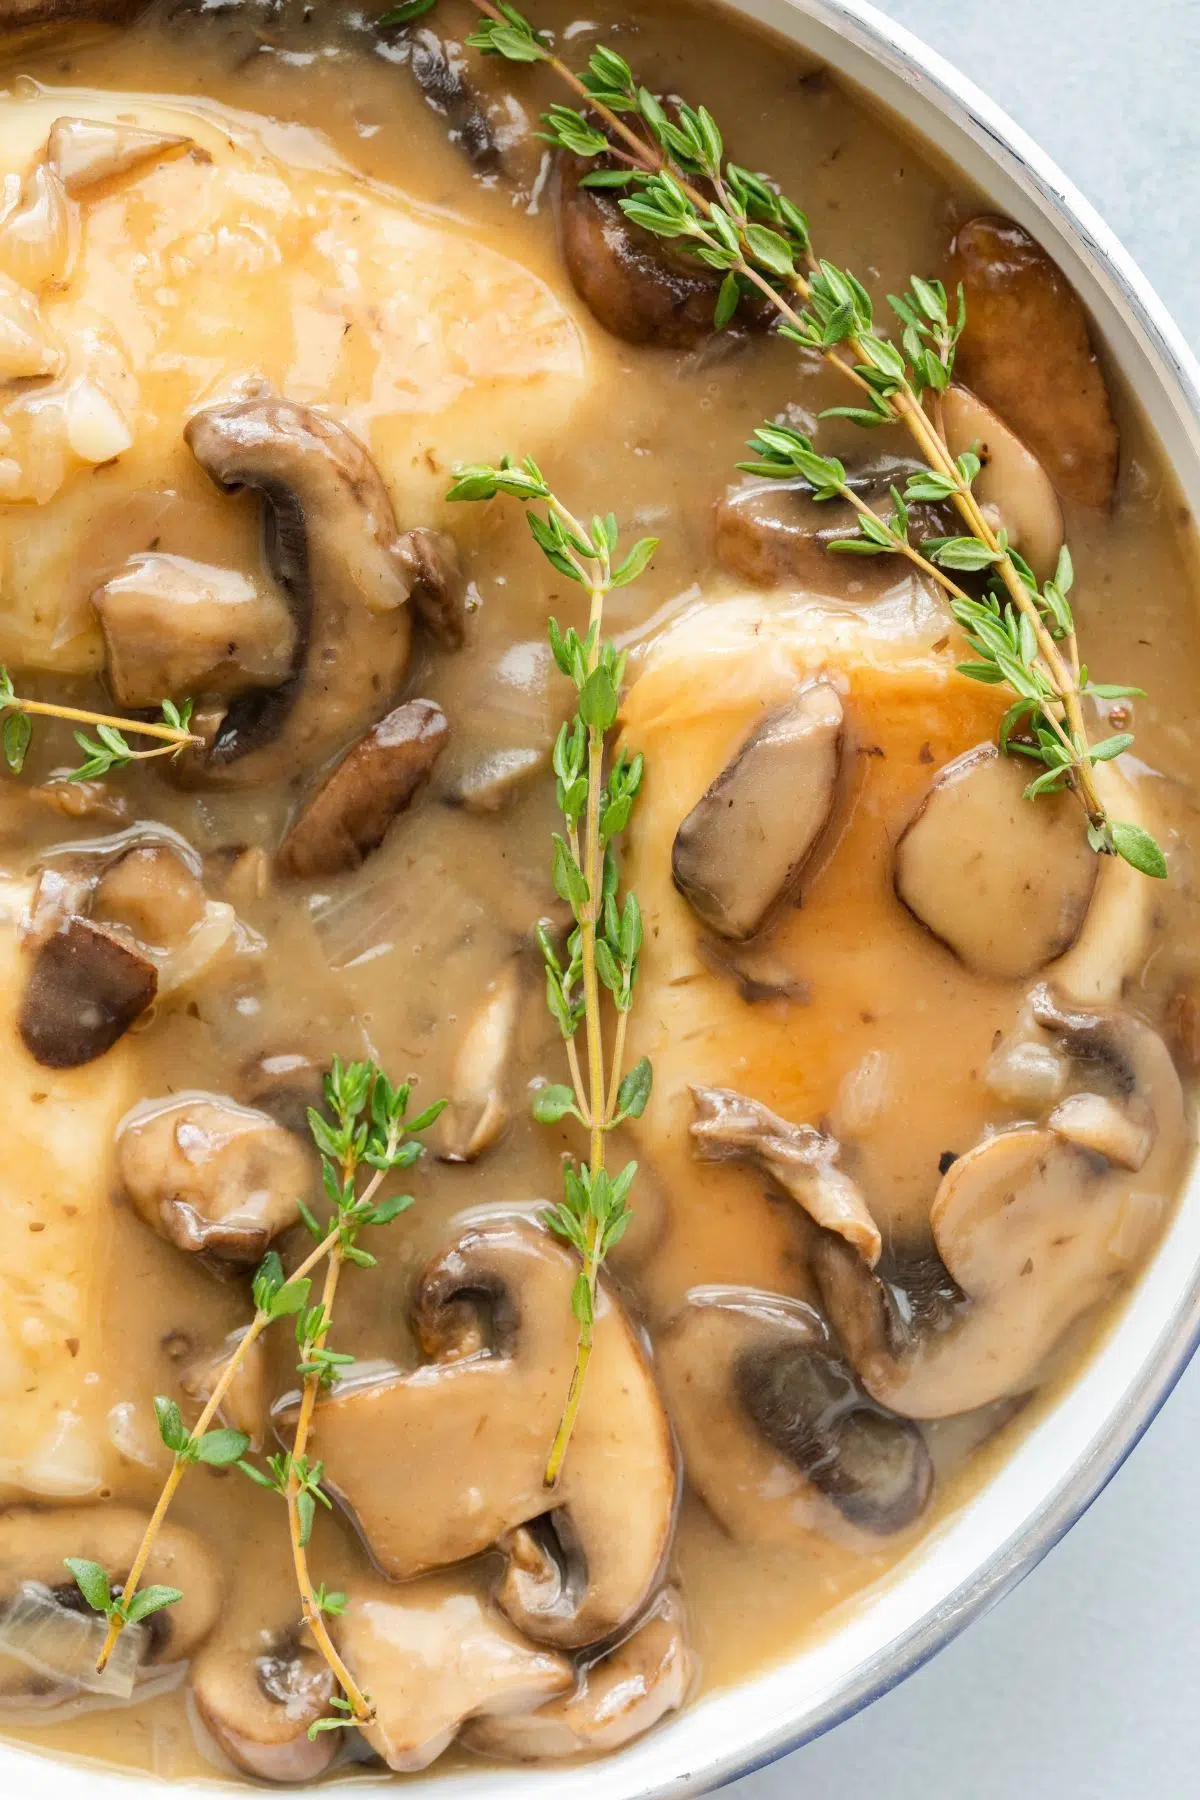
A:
(1085, 1683)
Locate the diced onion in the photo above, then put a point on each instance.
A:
(57, 1642)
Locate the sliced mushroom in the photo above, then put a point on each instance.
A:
(33, 1544)
(1004, 883)
(616, 1699)
(20, 14)
(728, 1127)
(1011, 482)
(439, 594)
(439, 69)
(175, 626)
(741, 851)
(351, 812)
(213, 1178)
(778, 1438)
(629, 282)
(333, 546)
(1027, 351)
(86, 987)
(775, 534)
(85, 152)
(432, 1656)
(258, 1694)
(1033, 1227)
(479, 1109)
(492, 1315)
(244, 1406)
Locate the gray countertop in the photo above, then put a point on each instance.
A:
(1083, 1684)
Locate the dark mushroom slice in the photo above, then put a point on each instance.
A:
(776, 534)
(631, 284)
(175, 626)
(492, 1315)
(85, 152)
(1005, 884)
(86, 987)
(351, 812)
(40, 1601)
(1027, 351)
(778, 1437)
(729, 1127)
(741, 851)
(439, 594)
(216, 1179)
(616, 1699)
(439, 68)
(259, 1702)
(432, 1655)
(22, 15)
(333, 546)
(285, 1083)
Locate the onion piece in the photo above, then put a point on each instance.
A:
(57, 1642)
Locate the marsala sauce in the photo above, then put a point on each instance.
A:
(394, 959)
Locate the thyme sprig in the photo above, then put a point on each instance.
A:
(672, 178)
(109, 749)
(603, 948)
(369, 1128)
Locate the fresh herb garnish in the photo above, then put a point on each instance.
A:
(673, 179)
(109, 749)
(603, 948)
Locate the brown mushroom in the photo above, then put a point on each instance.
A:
(1011, 483)
(50, 1637)
(617, 1698)
(1027, 351)
(433, 1655)
(351, 812)
(86, 987)
(85, 152)
(17, 15)
(258, 1693)
(334, 548)
(492, 1315)
(776, 535)
(1005, 884)
(632, 285)
(175, 626)
(153, 893)
(741, 851)
(439, 69)
(778, 1438)
(1033, 1226)
(728, 1127)
(216, 1179)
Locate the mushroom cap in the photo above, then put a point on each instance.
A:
(493, 1315)
(212, 1177)
(351, 812)
(334, 547)
(433, 1655)
(34, 1541)
(778, 1438)
(741, 850)
(617, 1698)
(86, 987)
(1005, 884)
(1027, 351)
(258, 1696)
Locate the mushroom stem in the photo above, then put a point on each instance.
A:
(182, 1463)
